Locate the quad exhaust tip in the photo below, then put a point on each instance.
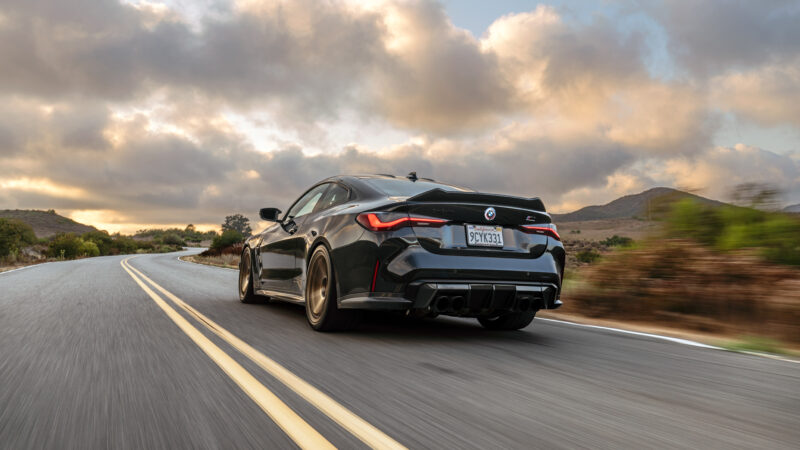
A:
(443, 303)
(458, 304)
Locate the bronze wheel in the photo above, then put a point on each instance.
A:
(318, 287)
(246, 292)
(321, 309)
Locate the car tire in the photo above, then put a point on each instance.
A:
(508, 321)
(322, 311)
(246, 292)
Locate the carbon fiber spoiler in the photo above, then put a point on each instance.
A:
(440, 195)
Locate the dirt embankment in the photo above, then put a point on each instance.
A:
(227, 257)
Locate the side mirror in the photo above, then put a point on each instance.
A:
(270, 214)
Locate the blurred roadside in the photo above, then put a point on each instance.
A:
(727, 274)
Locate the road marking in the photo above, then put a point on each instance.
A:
(292, 424)
(24, 267)
(635, 333)
(670, 339)
(363, 430)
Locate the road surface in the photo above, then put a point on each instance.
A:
(159, 353)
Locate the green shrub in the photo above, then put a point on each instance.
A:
(617, 241)
(587, 256)
(776, 236)
(101, 239)
(226, 239)
(14, 235)
(66, 246)
(172, 239)
(88, 248)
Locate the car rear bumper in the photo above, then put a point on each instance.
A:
(416, 263)
(460, 298)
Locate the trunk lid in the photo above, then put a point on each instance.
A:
(466, 212)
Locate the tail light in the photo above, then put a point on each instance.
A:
(393, 221)
(546, 229)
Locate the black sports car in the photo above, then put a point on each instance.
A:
(407, 244)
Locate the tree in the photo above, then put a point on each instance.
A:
(226, 239)
(238, 222)
(190, 229)
(102, 240)
(14, 235)
(66, 246)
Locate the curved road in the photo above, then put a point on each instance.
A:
(90, 359)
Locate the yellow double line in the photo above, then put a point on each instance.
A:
(292, 424)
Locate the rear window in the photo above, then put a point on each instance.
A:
(407, 188)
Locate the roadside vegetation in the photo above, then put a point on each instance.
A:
(188, 236)
(19, 245)
(226, 248)
(224, 251)
(727, 270)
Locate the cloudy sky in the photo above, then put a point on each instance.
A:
(126, 114)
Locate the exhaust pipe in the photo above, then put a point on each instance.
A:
(443, 303)
(524, 304)
(458, 303)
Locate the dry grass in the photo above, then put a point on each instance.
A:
(597, 230)
(227, 260)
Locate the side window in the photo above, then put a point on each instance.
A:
(307, 202)
(336, 195)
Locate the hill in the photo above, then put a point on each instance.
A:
(643, 205)
(46, 223)
(792, 209)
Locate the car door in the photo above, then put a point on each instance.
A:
(281, 244)
(312, 225)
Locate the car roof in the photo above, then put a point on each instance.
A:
(359, 181)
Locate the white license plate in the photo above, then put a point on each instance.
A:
(484, 235)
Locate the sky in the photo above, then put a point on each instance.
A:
(134, 114)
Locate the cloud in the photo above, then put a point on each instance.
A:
(718, 170)
(767, 95)
(435, 77)
(132, 106)
(715, 36)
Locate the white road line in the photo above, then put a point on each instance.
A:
(636, 333)
(667, 338)
(24, 267)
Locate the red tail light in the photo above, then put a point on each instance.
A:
(547, 229)
(375, 222)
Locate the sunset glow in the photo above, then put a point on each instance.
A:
(159, 113)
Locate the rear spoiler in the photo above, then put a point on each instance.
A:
(440, 195)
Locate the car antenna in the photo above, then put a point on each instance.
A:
(412, 176)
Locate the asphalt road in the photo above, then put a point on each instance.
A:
(88, 359)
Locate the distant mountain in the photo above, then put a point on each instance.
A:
(645, 205)
(46, 223)
(792, 209)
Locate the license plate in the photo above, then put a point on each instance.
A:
(484, 236)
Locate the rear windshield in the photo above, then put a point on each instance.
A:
(407, 188)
